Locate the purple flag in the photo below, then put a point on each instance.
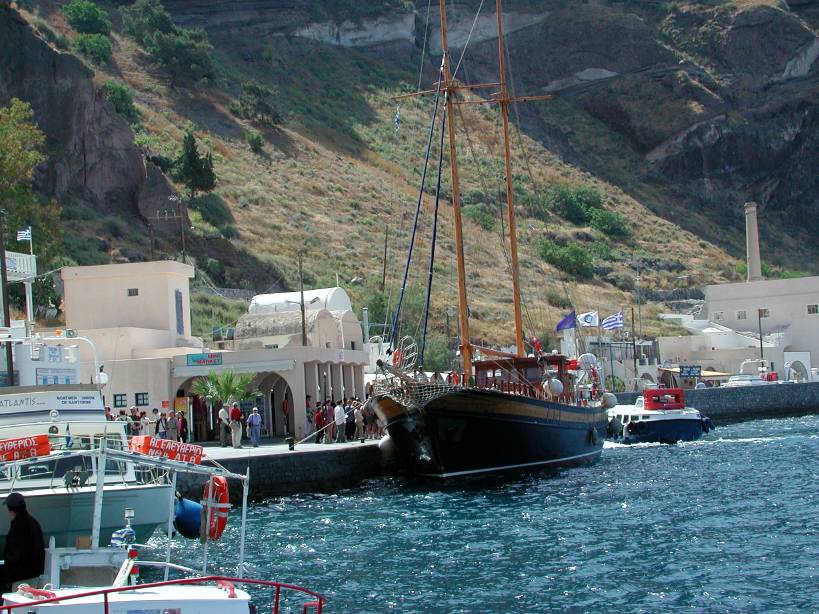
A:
(568, 321)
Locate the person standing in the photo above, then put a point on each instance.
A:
(183, 427)
(340, 420)
(172, 427)
(319, 421)
(349, 425)
(236, 425)
(254, 426)
(144, 424)
(224, 426)
(162, 426)
(108, 415)
(359, 422)
(330, 418)
(24, 554)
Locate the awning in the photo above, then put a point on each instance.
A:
(705, 372)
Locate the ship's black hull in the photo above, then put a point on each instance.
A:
(467, 431)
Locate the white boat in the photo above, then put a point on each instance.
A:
(60, 490)
(200, 594)
(753, 372)
(658, 416)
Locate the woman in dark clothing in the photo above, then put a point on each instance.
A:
(24, 554)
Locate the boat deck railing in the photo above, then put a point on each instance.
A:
(313, 601)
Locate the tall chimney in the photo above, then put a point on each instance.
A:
(752, 243)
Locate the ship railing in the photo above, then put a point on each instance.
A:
(314, 601)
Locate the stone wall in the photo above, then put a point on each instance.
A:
(750, 402)
(279, 474)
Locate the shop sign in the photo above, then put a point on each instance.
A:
(204, 360)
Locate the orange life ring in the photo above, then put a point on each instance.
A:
(397, 358)
(215, 505)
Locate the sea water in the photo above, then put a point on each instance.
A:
(728, 523)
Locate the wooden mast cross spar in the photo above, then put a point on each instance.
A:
(449, 87)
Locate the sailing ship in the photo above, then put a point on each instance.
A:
(505, 411)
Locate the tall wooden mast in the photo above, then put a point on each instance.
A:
(503, 100)
(449, 91)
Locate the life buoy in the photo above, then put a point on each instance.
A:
(215, 505)
(397, 358)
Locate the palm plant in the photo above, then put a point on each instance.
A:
(225, 387)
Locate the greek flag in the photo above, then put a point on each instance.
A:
(397, 117)
(613, 321)
(24, 234)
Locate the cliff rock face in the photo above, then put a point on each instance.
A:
(92, 155)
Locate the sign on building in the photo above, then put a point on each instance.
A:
(690, 371)
(204, 360)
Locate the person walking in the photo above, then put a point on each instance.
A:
(172, 427)
(341, 423)
(224, 426)
(236, 425)
(24, 553)
(254, 425)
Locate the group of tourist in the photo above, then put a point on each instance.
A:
(342, 421)
(231, 422)
(165, 425)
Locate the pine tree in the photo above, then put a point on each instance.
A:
(195, 171)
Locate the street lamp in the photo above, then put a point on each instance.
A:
(759, 320)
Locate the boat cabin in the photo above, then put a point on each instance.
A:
(521, 374)
(664, 398)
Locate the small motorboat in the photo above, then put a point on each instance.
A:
(659, 416)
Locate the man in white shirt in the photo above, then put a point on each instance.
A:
(224, 427)
(340, 420)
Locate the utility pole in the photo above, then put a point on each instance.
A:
(4, 285)
(759, 319)
(634, 349)
(384, 269)
(301, 290)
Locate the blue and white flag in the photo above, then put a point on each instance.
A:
(590, 318)
(613, 321)
(24, 234)
(397, 117)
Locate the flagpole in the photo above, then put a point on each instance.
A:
(634, 349)
(30, 287)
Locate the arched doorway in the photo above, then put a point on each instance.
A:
(277, 404)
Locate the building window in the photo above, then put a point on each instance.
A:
(140, 399)
(133, 291)
(764, 313)
(120, 400)
(813, 310)
(352, 345)
(180, 317)
(719, 316)
(742, 315)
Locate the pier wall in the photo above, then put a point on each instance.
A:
(749, 402)
(279, 473)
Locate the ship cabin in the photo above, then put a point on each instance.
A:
(522, 374)
(664, 398)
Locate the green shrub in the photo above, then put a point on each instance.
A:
(114, 227)
(601, 250)
(144, 18)
(96, 47)
(254, 139)
(480, 215)
(213, 210)
(86, 17)
(256, 103)
(183, 53)
(556, 299)
(608, 222)
(122, 98)
(571, 259)
(574, 203)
